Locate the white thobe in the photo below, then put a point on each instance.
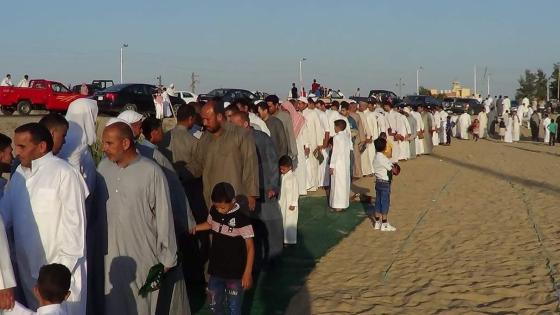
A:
(45, 206)
(405, 144)
(6, 82)
(382, 123)
(373, 133)
(322, 172)
(392, 121)
(7, 279)
(516, 126)
(483, 122)
(506, 103)
(316, 136)
(301, 169)
(487, 104)
(289, 197)
(509, 129)
(367, 165)
(436, 125)
(546, 122)
(525, 102)
(420, 125)
(455, 129)
(23, 83)
(463, 124)
(340, 164)
(443, 126)
(257, 123)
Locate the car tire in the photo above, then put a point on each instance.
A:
(130, 107)
(24, 108)
(7, 111)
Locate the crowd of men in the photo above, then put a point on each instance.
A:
(110, 222)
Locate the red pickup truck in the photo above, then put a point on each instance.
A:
(41, 94)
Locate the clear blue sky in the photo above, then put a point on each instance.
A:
(257, 44)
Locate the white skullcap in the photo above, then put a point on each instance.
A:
(113, 120)
(130, 116)
(303, 99)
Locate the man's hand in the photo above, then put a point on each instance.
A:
(271, 194)
(192, 231)
(247, 281)
(331, 171)
(7, 299)
(292, 208)
(252, 202)
(306, 151)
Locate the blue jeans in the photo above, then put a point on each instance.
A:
(226, 295)
(382, 197)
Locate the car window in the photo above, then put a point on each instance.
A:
(39, 85)
(187, 94)
(59, 88)
(247, 95)
(137, 90)
(217, 92)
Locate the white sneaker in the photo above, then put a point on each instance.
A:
(377, 225)
(386, 227)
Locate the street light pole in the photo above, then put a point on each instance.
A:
(400, 85)
(301, 73)
(123, 46)
(418, 79)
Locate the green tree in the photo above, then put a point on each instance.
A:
(540, 85)
(554, 82)
(424, 91)
(527, 85)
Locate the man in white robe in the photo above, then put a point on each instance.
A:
(437, 125)
(24, 82)
(508, 138)
(316, 134)
(7, 278)
(367, 165)
(323, 178)
(463, 124)
(545, 122)
(506, 103)
(405, 130)
(373, 129)
(420, 126)
(7, 81)
(340, 168)
(483, 123)
(393, 136)
(443, 125)
(45, 205)
(517, 119)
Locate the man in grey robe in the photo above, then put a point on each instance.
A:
(270, 238)
(227, 153)
(276, 128)
(276, 110)
(427, 120)
(134, 210)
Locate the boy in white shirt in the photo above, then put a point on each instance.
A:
(289, 194)
(383, 170)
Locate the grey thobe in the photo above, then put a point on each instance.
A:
(139, 234)
(268, 210)
(230, 157)
(414, 134)
(289, 131)
(278, 135)
(427, 121)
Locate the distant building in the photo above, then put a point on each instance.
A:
(456, 91)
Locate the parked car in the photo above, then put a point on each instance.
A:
(41, 94)
(187, 96)
(383, 96)
(94, 86)
(471, 105)
(228, 95)
(130, 96)
(415, 100)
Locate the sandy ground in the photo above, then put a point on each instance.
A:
(478, 233)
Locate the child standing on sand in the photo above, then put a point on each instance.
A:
(383, 170)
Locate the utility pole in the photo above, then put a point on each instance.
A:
(488, 81)
(475, 94)
(194, 81)
(400, 85)
(418, 79)
(558, 84)
(159, 80)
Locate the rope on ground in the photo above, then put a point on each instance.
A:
(420, 219)
(552, 273)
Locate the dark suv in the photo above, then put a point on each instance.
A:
(460, 105)
(228, 95)
(133, 96)
(415, 100)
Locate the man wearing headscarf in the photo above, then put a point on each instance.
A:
(316, 135)
(301, 134)
(427, 120)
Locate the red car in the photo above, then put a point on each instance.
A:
(41, 94)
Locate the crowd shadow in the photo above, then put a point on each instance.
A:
(534, 151)
(121, 274)
(489, 171)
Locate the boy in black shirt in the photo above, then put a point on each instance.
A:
(232, 251)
